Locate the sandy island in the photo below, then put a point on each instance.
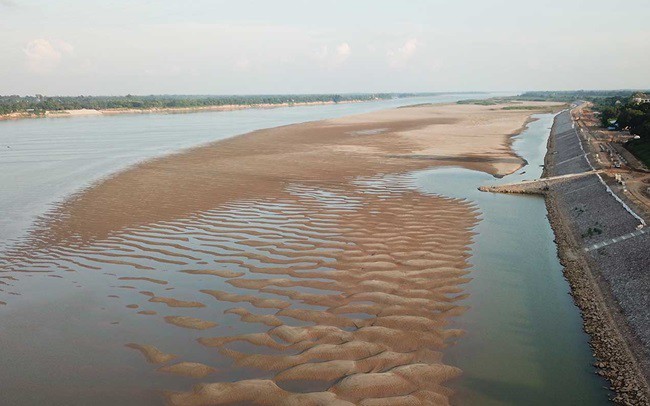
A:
(351, 275)
(263, 163)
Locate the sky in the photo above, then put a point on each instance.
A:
(90, 47)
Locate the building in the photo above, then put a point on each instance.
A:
(641, 98)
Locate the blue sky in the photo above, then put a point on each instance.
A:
(291, 46)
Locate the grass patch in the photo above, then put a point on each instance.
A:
(593, 231)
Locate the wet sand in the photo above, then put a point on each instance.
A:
(344, 278)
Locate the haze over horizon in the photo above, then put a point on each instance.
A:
(73, 47)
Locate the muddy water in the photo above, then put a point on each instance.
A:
(524, 342)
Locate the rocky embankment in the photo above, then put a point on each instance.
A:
(611, 284)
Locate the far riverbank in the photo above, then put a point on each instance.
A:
(166, 110)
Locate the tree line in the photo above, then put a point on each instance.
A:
(39, 104)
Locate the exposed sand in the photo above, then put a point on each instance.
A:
(261, 163)
(152, 354)
(129, 278)
(347, 276)
(189, 322)
(73, 113)
(224, 273)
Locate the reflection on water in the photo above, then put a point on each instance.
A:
(524, 342)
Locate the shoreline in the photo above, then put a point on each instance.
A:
(620, 356)
(167, 110)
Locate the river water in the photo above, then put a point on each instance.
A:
(524, 343)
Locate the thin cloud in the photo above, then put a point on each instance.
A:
(333, 58)
(399, 57)
(42, 56)
(343, 51)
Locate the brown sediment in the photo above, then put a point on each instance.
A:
(132, 306)
(224, 273)
(152, 354)
(245, 315)
(147, 312)
(171, 302)
(190, 322)
(191, 369)
(345, 273)
(132, 278)
(254, 300)
(260, 392)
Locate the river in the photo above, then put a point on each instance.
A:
(524, 343)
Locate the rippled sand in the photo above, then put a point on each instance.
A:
(303, 255)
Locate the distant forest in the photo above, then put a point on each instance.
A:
(39, 104)
(573, 95)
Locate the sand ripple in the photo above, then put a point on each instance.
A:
(334, 295)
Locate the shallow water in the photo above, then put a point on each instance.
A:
(524, 341)
(297, 241)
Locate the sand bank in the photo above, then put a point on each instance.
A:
(263, 162)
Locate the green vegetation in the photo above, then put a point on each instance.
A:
(628, 114)
(39, 103)
(641, 149)
(573, 95)
(617, 108)
(592, 231)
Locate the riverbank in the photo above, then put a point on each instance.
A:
(607, 284)
(165, 110)
(324, 275)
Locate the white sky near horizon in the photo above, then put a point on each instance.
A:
(72, 47)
